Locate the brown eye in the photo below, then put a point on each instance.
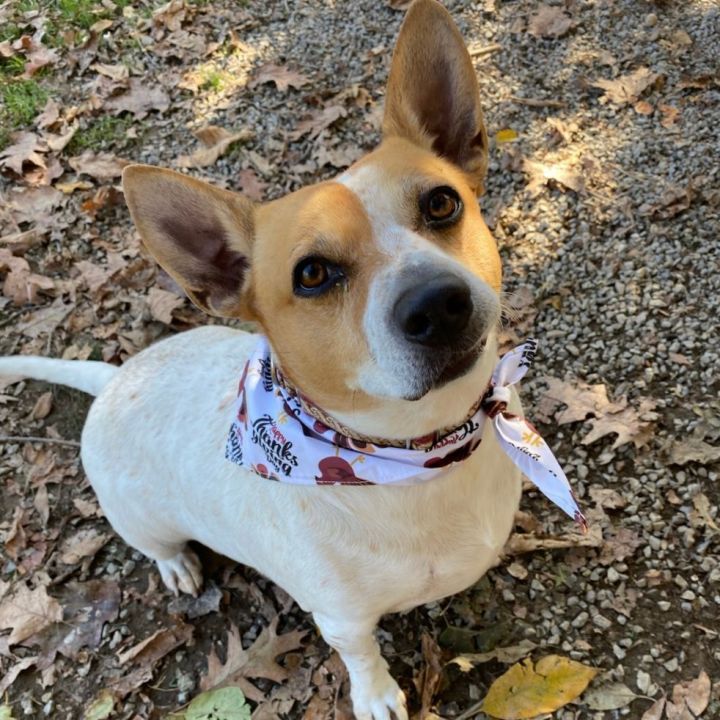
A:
(441, 206)
(313, 274)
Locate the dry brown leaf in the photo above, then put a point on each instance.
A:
(11, 675)
(21, 285)
(93, 275)
(428, 680)
(28, 612)
(39, 57)
(87, 508)
(672, 202)
(43, 406)
(41, 502)
(619, 546)
(315, 123)
(217, 142)
(58, 142)
(341, 157)
(670, 115)
(520, 543)
(564, 174)
(139, 99)
(655, 711)
(610, 696)
(26, 147)
(607, 498)
(507, 655)
(550, 21)
(101, 166)
(162, 303)
(15, 540)
(693, 449)
(49, 115)
(114, 72)
(282, 76)
(250, 185)
(630, 425)
(44, 321)
(627, 89)
(701, 516)
(84, 543)
(258, 661)
(643, 107)
(691, 694)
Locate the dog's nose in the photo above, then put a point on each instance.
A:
(434, 313)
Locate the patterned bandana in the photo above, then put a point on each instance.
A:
(275, 434)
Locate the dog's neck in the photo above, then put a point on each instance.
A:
(396, 421)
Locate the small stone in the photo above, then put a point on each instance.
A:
(602, 622)
(580, 620)
(618, 652)
(664, 605)
(671, 665)
(613, 575)
(642, 680)
(651, 20)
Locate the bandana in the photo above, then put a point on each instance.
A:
(277, 434)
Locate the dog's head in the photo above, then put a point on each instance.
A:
(378, 290)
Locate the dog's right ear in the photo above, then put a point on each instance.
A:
(200, 234)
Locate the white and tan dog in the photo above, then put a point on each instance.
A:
(379, 294)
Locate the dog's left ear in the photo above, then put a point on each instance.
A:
(432, 95)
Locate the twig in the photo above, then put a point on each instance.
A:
(472, 711)
(487, 50)
(537, 102)
(31, 438)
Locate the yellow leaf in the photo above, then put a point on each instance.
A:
(525, 691)
(506, 135)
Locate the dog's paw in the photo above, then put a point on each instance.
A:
(182, 573)
(379, 699)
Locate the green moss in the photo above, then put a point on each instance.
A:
(22, 101)
(101, 134)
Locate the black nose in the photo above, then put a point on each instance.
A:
(434, 313)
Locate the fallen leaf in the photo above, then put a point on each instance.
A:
(101, 707)
(619, 545)
(207, 602)
(49, 116)
(607, 498)
(282, 76)
(87, 508)
(693, 450)
(222, 704)
(114, 72)
(520, 543)
(11, 675)
(701, 516)
(26, 147)
(340, 157)
(316, 122)
(101, 166)
(507, 655)
(250, 185)
(217, 141)
(643, 107)
(672, 202)
(70, 187)
(6, 712)
(28, 612)
(564, 174)
(630, 425)
(41, 502)
(258, 661)
(525, 691)
(43, 406)
(84, 543)
(611, 696)
(693, 694)
(550, 21)
(670, 115)
(162, 303)
(505, 135)
(139, 99)
(627, 89)
(655, 711)
(44, 321)
(21, 285)
(430, 674)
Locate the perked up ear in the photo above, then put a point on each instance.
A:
(432, 95)
(200, 234)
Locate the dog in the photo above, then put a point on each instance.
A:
(378, 293)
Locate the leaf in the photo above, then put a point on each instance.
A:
(101, 707)
(315, 123)
(630, 425)
(85, 543)
(701, 515)
(26, 147)
(28, 612)
(430, 673)
(6, 713)
(207, 602)
(139, 99)
(562, 173)
(505, 135)
(693, 450)
(525, 691)
(11, 675)
(222, 704)
(250, 185)
(282, 76)
(162, 303)
(619, 546)
(217, 141)
(258, 661)
(21, 285)
(693, 694)
(612, 696)
(520, 543)
(627, 89)
(101, 166)
(655, 711)
(43, 406)
(550, 21)
(508, 655)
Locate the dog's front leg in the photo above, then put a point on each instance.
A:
(374, 692)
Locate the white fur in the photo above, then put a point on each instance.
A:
(153, 448)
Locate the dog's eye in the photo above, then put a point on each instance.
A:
(441, 206)
(314, 275)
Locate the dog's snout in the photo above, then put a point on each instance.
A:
(435, 313)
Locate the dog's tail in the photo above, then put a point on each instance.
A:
(86, 375)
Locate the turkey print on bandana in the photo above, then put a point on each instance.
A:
(274, 435)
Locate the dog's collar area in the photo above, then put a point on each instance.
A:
(422, 442)
(279, 435)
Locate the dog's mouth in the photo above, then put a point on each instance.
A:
(456, 365)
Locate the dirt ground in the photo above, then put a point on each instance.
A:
(603, 194)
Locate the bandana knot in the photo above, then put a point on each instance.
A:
(279, 434)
